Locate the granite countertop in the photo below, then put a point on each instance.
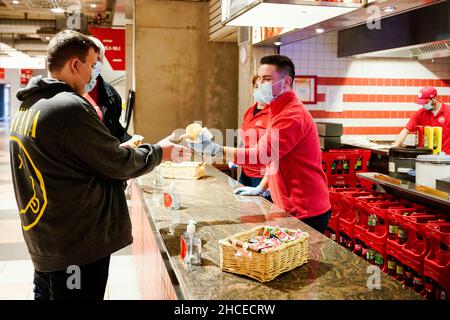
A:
(331, 273)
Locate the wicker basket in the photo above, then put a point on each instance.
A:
(267, 265)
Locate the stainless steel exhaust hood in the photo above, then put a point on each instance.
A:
(432, 50)
(422, 34)
(282, 13)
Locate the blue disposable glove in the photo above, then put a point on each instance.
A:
(249, 191)
(232, 165)
(205, 145)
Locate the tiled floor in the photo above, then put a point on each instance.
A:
(16, 269)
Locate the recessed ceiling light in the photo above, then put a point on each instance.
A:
(389, 9)
(93, 5)
(57, 10)
(47, 38)
(320, 30)
(277, 43)
(15, 2)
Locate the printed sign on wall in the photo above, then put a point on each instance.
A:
(114, 42)
(25, 76)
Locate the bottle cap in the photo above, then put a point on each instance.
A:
(191, 226)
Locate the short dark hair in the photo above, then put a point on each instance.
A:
(283, 64)
(66, 45)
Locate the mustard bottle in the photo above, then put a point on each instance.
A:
(437, 140)
(428, 134)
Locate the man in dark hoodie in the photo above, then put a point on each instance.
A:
(67, 172)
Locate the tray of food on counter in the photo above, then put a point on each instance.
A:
(183, 170)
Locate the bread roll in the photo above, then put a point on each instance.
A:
(194, 130)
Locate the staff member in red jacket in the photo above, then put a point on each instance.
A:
(434, 113)
(290, 148)
(253, 127)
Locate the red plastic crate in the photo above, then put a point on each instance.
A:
(396, 218)
(364, 154)
(418, 244)
(437, 262)
(341, 177)
(337, 206)
(349, 201)
(379, 208)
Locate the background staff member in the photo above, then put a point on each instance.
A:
(253, 127)
(67, 170)
(434, 113)
(298, 183)
(105, 99)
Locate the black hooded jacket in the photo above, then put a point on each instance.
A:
(111, 104)
(67, 171)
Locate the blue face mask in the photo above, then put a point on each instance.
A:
(92, 81)
(265, 93)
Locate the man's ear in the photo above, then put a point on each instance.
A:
(289, 82)
(73, 65)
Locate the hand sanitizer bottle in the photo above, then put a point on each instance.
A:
(172, 198)
(191, 246)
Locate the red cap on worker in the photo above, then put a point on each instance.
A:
(426, 94)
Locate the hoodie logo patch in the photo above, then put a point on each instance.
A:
(33, 199)
(25, 122)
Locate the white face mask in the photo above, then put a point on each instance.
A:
(428, 106)
(265, 93)
(92, 81)
(257, 98)
(97, 69)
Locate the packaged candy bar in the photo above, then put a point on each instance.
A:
(298, 234)
(267, 231)
(283, 236)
